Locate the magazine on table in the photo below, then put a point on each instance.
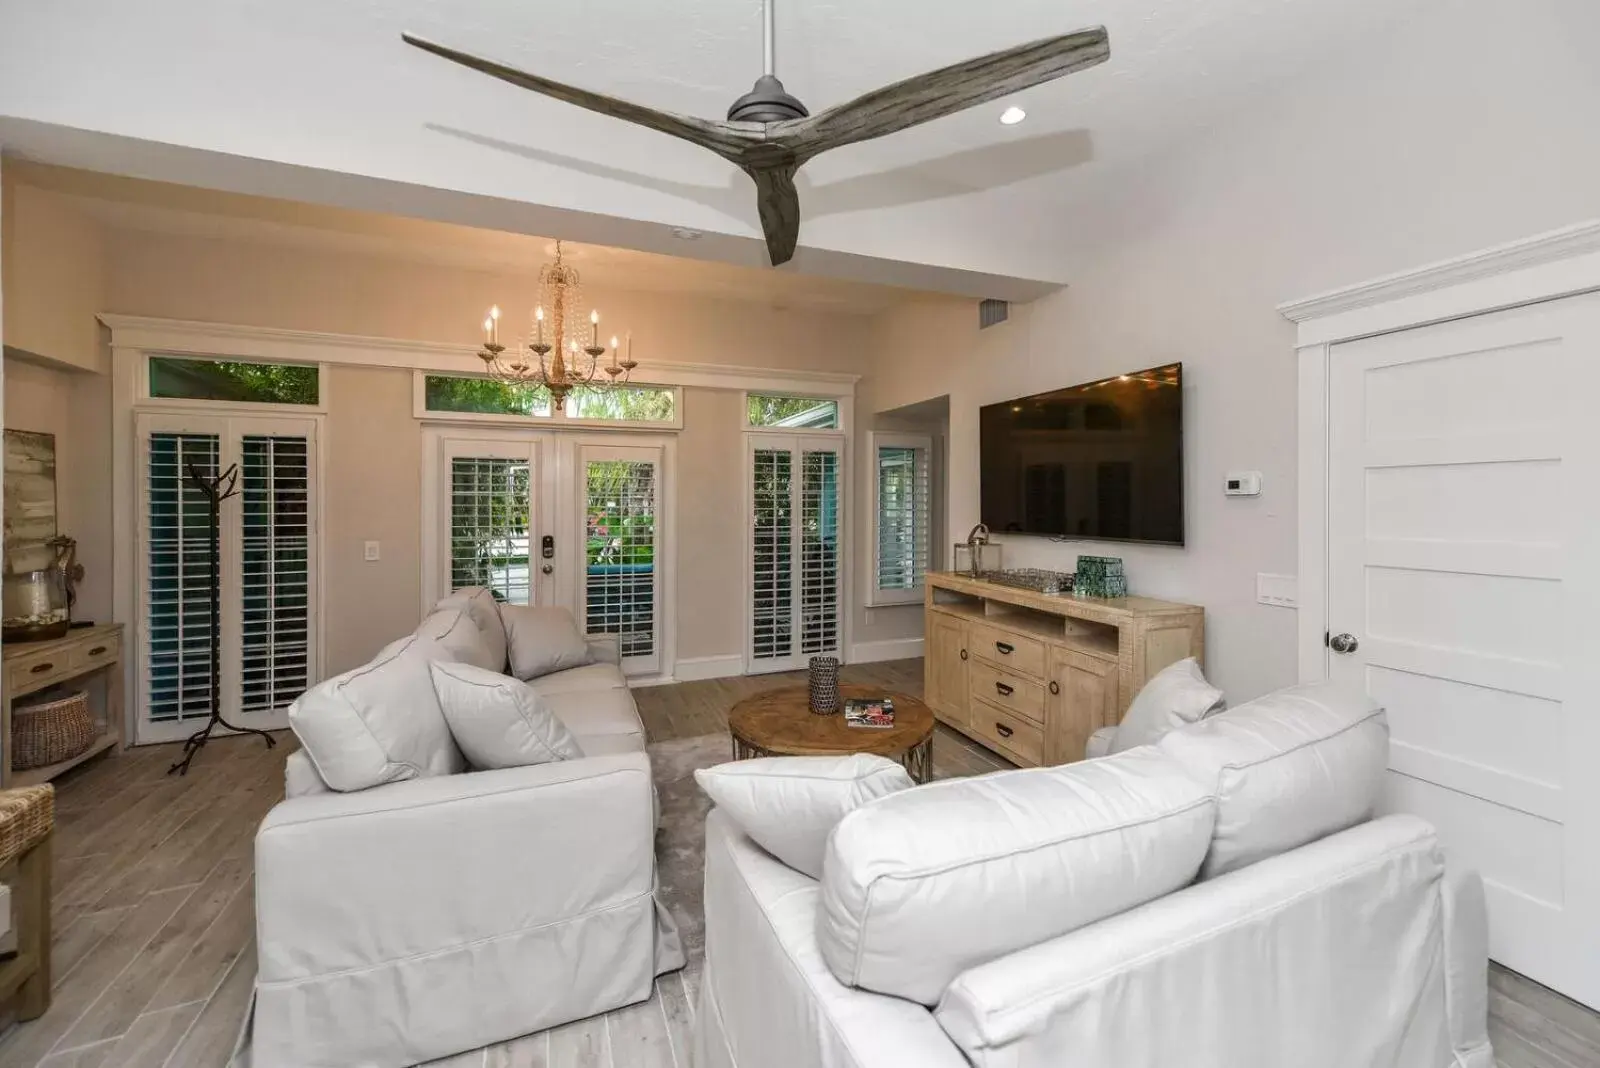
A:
(874, 713)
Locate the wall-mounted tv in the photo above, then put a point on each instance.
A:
(1100, 461)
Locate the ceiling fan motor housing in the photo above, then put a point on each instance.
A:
(767, 102)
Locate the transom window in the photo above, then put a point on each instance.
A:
(791, 412)
(476, 397)
(234, 381)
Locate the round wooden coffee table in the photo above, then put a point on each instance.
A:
(781, 723)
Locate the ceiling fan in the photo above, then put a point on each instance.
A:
(769, 134)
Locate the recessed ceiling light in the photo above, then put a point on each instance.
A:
(683, 233)
(1012, 115)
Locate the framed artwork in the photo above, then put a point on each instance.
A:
(30, 499)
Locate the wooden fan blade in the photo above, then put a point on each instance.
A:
(728, 140)
(778, 203)
(944, 92)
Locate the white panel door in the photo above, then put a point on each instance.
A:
(622, 554)
(795, 498)
(1464, 568)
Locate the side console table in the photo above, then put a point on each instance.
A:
(29, 667)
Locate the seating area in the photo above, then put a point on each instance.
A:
(776, 535)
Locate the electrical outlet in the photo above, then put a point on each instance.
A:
(369, 551)
(1280, 591)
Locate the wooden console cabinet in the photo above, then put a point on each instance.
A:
(1032, 675)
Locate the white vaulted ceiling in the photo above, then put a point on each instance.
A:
(319, 100)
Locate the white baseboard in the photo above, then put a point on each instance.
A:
(696, 668)
(872, 652)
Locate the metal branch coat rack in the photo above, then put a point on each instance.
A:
(217, 489)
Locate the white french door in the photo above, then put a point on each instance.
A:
(267, 570)
(619, 532)
(1463, 579)
(495, 500)
(557, 519)
(794, 496)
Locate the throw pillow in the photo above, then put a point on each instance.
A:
(540, 639)
(789, 805)
(1176, 696)
(497, 721)
(376, 724)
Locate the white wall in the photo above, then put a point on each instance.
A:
(1445, 138)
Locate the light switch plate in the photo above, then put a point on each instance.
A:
(369, 551)
(1280, 591)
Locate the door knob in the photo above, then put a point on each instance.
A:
(547, 568)
(1343, 643)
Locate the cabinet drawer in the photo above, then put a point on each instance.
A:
(1007, 690)
(1010, 650)
(88, 655)
(30, 671)
(1011, 734)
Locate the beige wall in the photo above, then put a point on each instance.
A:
(179, 277)
(1417, 152)
(710, 525)
(53, 273)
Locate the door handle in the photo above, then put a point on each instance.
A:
(547, 568)
(1344, 643)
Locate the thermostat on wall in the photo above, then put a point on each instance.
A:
(1242, 484)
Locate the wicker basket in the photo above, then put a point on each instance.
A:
(51, 731)
(27, 814)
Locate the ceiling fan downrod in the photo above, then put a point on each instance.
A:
(768, 101)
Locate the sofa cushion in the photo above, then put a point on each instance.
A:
(603, 721)
(1175, 696)
(789, 805)
(542, 639)
(497, 721)
(920, 886)
(586, 679)
(467, 626)
(1287, 769)
(379, 723)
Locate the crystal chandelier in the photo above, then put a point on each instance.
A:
(550, 354)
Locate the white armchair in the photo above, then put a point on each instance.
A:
(422, 918)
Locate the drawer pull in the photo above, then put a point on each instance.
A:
(963, 654)
(1006, 649)
(40, 669)
(1002, 689)
(97, 650)
(1005, 732)
(1055, 687)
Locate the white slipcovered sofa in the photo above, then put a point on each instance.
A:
(1220, 899)
(421, 909)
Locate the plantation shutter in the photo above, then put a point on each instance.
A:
(267, 568)
(903, 511)
(819, 552)
(772, 554)
(622, 582)
(275, 567)
(177, 630)
(490, 505)
(796, 526)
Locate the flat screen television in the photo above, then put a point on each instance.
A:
(1100, 461)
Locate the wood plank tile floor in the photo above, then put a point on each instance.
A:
(154, 916)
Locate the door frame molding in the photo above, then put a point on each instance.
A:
(1549, 266)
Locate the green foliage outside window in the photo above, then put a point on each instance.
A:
(449, 393)
(771, 409)
(175, 377)
(630, 404)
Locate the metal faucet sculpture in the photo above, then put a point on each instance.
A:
(978, 535)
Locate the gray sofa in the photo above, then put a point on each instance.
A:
(409, 908)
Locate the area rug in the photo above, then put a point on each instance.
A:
(680, 832)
